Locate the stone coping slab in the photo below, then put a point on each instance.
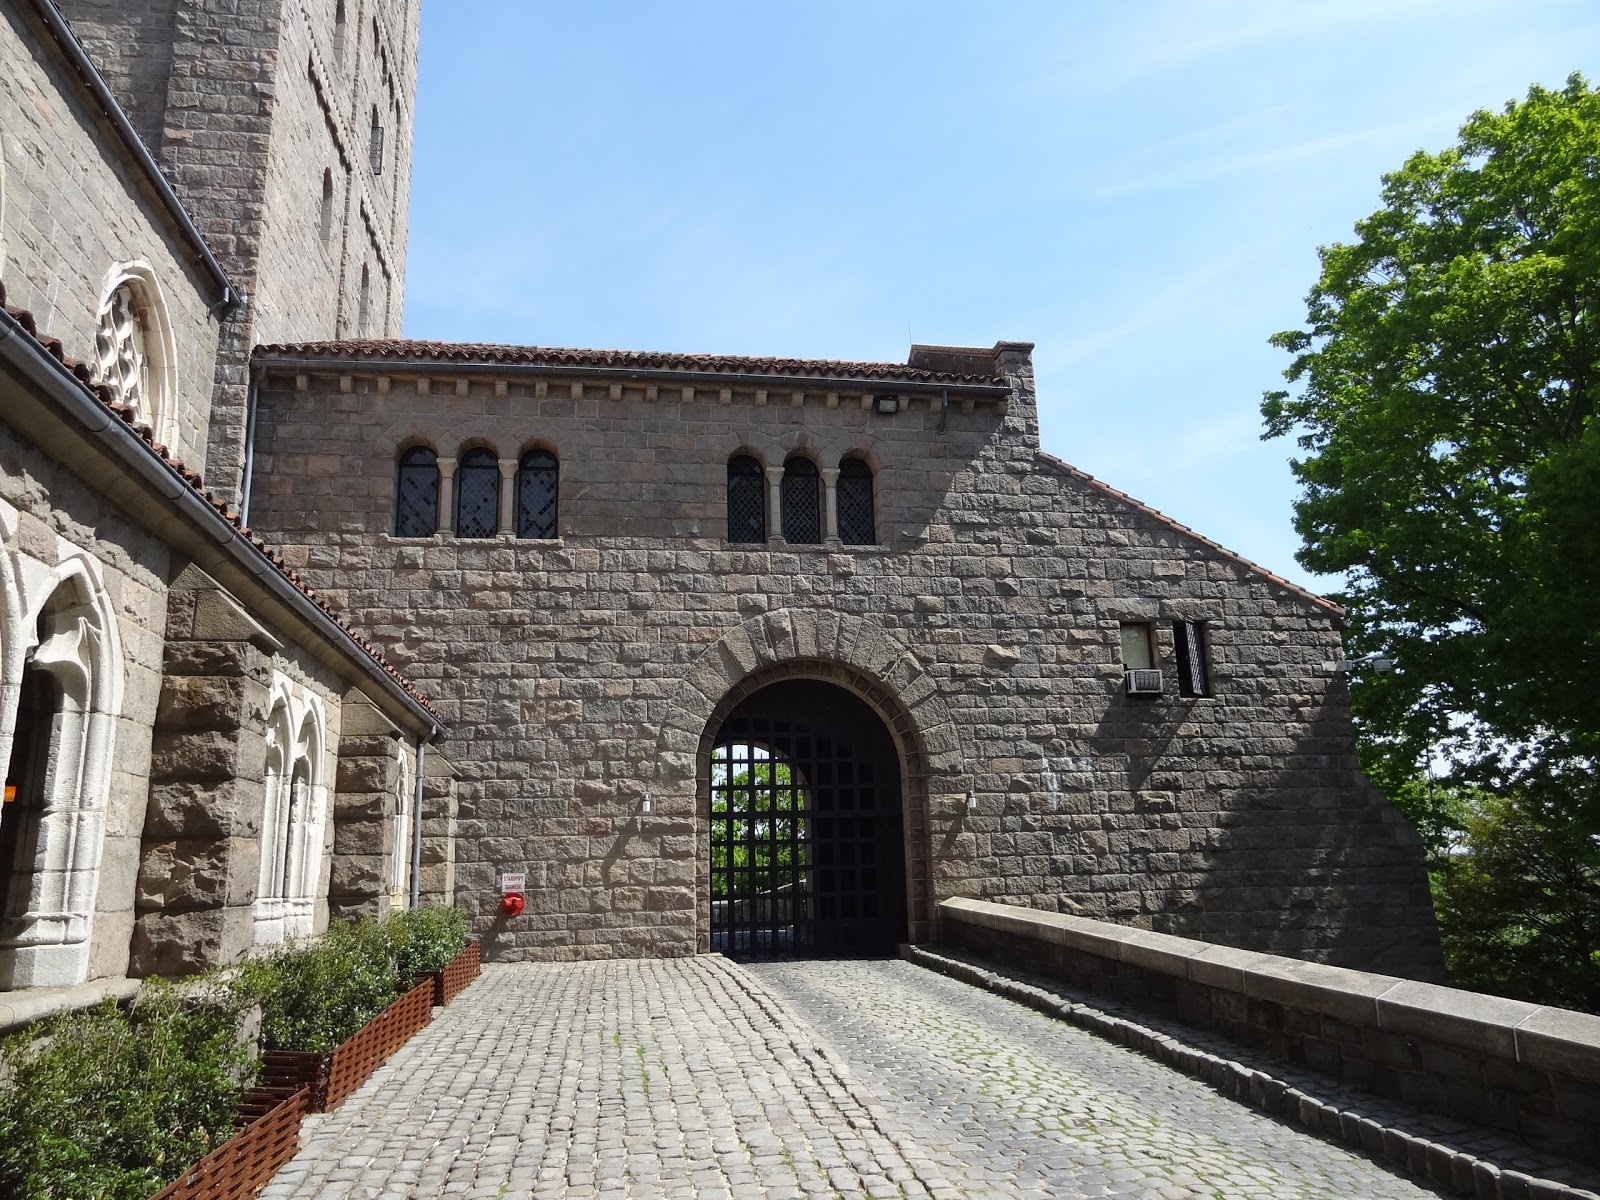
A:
(31, 1004)
(1539, 1036)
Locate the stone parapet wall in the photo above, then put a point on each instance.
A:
(1528, 1069)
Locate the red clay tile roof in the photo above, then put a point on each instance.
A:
(80, 371)
(400, 350)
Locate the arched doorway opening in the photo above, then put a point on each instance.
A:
(806, 827)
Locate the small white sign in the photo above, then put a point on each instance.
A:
(513, 883)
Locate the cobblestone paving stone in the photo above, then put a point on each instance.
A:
(1010, 1102)
(699, 1078)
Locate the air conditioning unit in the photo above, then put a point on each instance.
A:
(1144, 683)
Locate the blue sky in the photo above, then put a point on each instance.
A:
(1139, 188)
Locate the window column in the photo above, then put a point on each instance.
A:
(447, 495)
(830, 504)
(508, 497)
(775, 501)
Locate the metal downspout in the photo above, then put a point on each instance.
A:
(252, 395)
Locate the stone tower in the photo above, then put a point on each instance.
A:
(291, 147)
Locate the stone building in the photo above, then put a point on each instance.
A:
(723, 653)
(201, 756)
(751, 653)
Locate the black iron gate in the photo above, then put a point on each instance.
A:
(807, 849)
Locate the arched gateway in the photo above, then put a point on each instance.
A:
(807, 844)
(864, 663)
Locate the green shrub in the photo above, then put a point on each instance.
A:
(425, 939)
(316, 995)
(112, 1104)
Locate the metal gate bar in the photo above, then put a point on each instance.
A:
(807, 852)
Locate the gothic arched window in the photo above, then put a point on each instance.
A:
(478, 494)
(538, 476)
(747, 503)
(416, 503)
(856, 524)
(325, 214)
(364, 305)
(802, 502)
(132, 349)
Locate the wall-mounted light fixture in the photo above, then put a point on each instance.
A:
(886, 405)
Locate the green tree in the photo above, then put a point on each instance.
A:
(1450, 469)
(757, 827)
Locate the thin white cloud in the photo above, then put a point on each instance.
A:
(1076, 346)
(1209, 168)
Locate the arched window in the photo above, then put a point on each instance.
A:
(856, 524)
(478, 494)
(747, 500)
(802, 502)
(292, 819)
(133, 348)
(325, 217)
(364, 307)
(416, 502)
(271, 890)
(58, 776)
(376, 146)
(538, 477)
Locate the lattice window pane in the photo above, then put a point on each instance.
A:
(802, 502)
(121, 361)
(478, 495)
(1189, 645)
(747, 506)
(537, 481)
(857, 526)
(416, 510)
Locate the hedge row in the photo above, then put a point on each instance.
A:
(112, 1103)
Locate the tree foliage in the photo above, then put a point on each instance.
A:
(1448, 379)
(759, 827)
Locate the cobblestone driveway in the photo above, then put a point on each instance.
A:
(699, 1078)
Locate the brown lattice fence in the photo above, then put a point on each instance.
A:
(333, 1076)
(244, 1164)
(457, 973)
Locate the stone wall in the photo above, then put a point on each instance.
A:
(200, 862)
(201, 854)
(579, 674)
(374, 765)
(308, 286)
(76, 206)
(1529, 1069)
(437, 882)
(131, 43)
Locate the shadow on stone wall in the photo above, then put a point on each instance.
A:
(1300, 856)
